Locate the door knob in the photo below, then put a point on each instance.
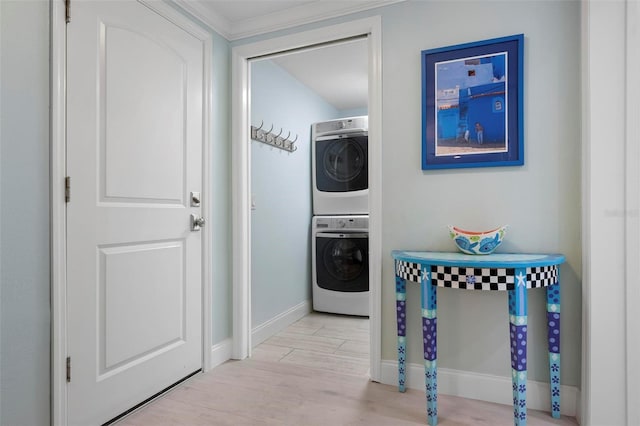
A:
(197, 222)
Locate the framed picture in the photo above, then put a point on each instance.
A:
(472, 104)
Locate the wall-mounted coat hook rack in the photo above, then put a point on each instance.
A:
(273, 139)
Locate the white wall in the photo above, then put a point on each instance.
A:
(281, 188)
(221, 187)
(354, 112)
(604, 89)
(632, 201)
(24, 213)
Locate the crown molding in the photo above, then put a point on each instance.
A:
(216, 22)
(292, 17)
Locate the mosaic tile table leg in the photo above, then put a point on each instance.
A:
(553, 323)
(518, 334)
(429, 338)
(401, 297)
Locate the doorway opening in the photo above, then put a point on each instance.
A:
(242, 57)
(289, 92)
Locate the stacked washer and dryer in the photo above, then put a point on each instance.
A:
(340, 225)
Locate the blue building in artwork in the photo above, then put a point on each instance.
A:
(472, 91)
(486, 105)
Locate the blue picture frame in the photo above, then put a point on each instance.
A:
(472, 97)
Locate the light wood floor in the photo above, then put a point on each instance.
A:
(337, 343)
(313, 373)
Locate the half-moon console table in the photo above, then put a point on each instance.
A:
(514, 273)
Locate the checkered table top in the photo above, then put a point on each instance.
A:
(499, 279)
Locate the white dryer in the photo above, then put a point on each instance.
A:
(339, 166)
(340, 264)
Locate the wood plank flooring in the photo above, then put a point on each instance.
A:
(335, 343)
(313, 373)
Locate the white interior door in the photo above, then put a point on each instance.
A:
(134, 155)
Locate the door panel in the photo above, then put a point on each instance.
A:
(137, 279)
(134, 150)
(156, 90)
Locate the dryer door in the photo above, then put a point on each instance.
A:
(342, 163)
(342, 261)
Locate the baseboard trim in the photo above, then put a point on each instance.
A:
(221, 352)
(278, 323)
(484, 387)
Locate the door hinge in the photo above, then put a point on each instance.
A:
(67, 189)
(67, 8)
(68, 369)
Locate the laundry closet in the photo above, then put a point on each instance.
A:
(285, 104)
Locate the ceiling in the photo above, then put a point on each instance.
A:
(338, 73)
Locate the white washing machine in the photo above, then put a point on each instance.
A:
(340, 166)
(340, 264)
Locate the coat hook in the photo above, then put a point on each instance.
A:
(276, 140)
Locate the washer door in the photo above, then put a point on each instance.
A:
(342, 163)
(342, 262)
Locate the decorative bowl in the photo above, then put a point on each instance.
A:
(472, 242)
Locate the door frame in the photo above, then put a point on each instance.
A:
(241, 173)
(58, 205)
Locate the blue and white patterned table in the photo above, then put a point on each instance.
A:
(514, 273)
